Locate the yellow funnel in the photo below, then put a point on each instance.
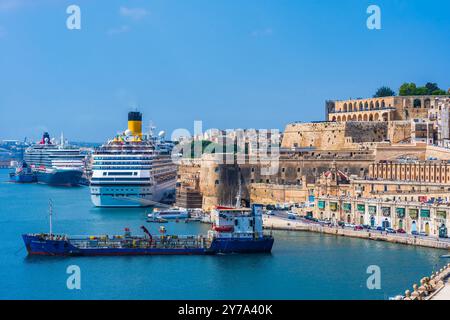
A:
(135, 123)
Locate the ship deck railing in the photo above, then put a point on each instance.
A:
(166, 242)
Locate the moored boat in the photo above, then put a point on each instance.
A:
(22, 174)
(55, 164)
(172, 213)
(246, 237)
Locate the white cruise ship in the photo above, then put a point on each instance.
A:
(131, 170)
(55, 164)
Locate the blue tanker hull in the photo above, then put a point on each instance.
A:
(23, 178)
(60, 178)
(36, 245)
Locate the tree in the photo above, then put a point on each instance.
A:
(407, 89)
(384, 92)
(440, 92)
(432, 87)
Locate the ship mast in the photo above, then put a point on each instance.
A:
(50, 215)
(239, 193)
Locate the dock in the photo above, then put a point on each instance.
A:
(276, 223)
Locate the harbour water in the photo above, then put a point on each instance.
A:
(302, 265)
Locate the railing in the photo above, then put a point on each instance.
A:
(161, 242)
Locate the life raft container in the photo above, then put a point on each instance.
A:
(223, 228)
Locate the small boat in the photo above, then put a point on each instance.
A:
(22, 174)
(445, 256)
(170, 214)
(157, 220)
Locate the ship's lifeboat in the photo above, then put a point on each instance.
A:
(223, 228)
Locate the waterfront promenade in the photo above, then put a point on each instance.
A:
(281, 223)
(444, 293)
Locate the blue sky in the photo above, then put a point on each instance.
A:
(229, 63)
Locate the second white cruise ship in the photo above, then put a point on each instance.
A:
(132, 170)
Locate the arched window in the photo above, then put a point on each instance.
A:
(383, 104)
(365, 117)
(350, 107)
(360, 106)
(417, 103)
(371, 117)
(345, 107)
(366, 106)
(377, 105)
(371, 105)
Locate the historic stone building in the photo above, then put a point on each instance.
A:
(382, 109)
(411, 216)
(315, 157)
(419, 171)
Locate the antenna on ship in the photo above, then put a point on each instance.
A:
(50, 215)
(62, 140)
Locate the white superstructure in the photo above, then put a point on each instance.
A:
(131, 171)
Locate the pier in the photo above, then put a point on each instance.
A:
(434, 287)
(277, 223)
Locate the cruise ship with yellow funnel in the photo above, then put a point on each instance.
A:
(133, 169)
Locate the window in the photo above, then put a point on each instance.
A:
(217, 182)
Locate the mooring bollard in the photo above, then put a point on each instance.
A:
(407, 295)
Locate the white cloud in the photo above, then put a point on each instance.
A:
(267, 32)
(133, 13)
(119, 30)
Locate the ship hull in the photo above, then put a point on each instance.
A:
(111, 196)
(37, 246)
(242, 245)
(23, 178)
(60, 178)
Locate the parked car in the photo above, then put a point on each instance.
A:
(358, 228)
(292, 216)
(414, 233)
(390, 230)
(341, 223)
(423, 234)
(270, 213)
(401, 231)
(349, 225)
(380, 229)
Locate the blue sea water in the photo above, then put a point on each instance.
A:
(301, 266)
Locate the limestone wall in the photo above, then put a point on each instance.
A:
(275, 193)
(333, 135)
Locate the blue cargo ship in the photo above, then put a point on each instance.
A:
(233, 231)
(23, 174)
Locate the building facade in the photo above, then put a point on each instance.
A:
(431, 219)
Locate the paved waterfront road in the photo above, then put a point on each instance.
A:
(282, 214)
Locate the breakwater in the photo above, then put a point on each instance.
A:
(434, 287)
(272, 222)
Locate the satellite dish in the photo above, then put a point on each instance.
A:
(161, 134)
